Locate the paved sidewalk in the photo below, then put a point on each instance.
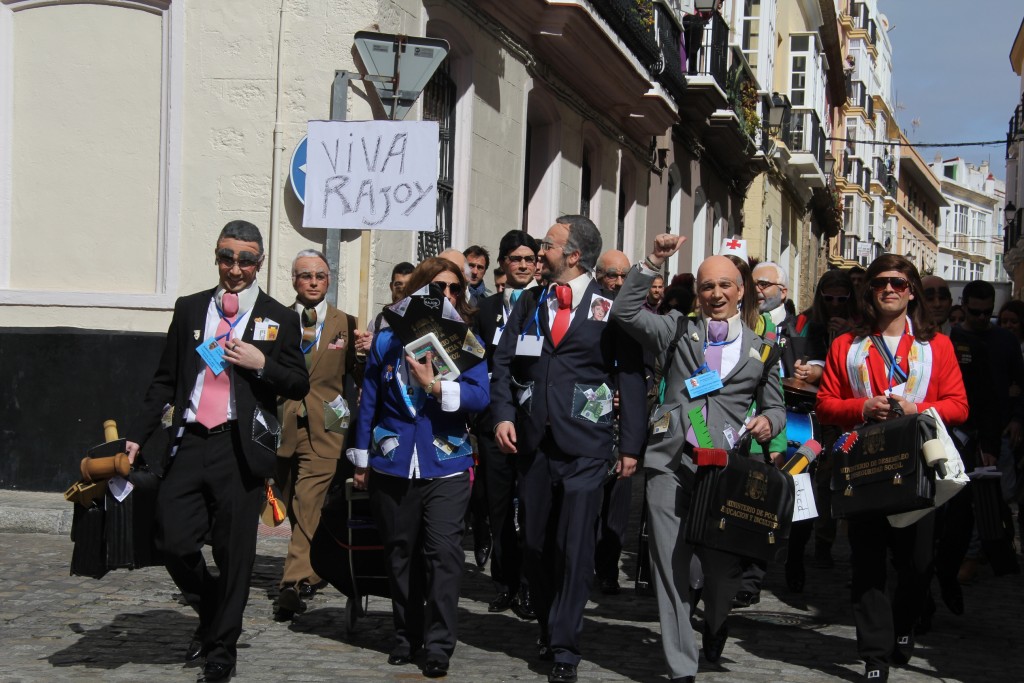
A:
(129, 626)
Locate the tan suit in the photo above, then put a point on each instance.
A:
(308, 454)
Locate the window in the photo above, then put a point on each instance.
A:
(871, 219)
(959, 269)
(751, 41)
(800, 47)
(976, 271)
(439, 97)
(949, 170)
(1000, 274)
(585, 179)
(960, 219)
(848, 213)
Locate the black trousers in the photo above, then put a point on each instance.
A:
(879, 621)
(421, 525)
(615, 501)
(208, 490)
(561, 496)
(500, 483)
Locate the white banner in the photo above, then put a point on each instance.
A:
(371, 175)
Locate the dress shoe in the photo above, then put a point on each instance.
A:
(435, 668)
(795, 576)
(194, 653)
(609, 586)
(953, 596)
(522, 606)
(544, 651)
(745, 599)
(399, 659)
(562, 673)
(288, 604)
(481, 553)
(684, 679)
(714, 644)
(307, 591)
(501, 603)
(214, 671)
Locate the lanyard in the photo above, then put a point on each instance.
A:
(305, 349)
(704, 366)
(890, 359)
(231, 325)
(536, 315)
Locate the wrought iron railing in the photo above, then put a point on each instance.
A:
(1015, 131)
(707, 44)
(634, 23)
(670, 72)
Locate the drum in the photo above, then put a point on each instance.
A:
(800, 396)
(800, 428)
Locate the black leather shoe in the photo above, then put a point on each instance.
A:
(501, 603)
(795, 577)
(745, 599)
(288, 604)
(307, 591)
(876, 675)
(544, 651)
(685, 679)
(714, 644)
(399, 659)
(522, 606)
(214, 671)
(562, 673)
(481, 553)
(435, 669)
(196, 650)
(609, 586)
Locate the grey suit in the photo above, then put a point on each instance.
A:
(670, 470)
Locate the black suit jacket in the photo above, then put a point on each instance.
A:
(490, 316)
(591, 353)
(284, 374)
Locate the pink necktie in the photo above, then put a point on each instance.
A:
(213, 401)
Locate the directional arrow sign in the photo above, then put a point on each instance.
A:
(298, 170)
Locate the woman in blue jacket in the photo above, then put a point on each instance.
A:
(412, 434)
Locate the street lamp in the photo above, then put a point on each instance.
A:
(779, 106)
(705, 5)
(830, 164)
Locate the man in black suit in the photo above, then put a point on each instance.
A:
(517, 257)
(230, 352)
(557, 367)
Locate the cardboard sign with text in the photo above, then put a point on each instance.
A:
(371, 175)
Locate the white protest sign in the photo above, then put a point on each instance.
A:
(379, 175)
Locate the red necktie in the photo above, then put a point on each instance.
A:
(558, 328)
(213, 401)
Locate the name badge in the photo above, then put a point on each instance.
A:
(530, 345)
(497, 336)
(730, 435)
(704, 383)
(212, 354)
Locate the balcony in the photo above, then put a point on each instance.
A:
(606, 51)
(1015, 130)
(669, 69)
(857, 96)
(804, 155)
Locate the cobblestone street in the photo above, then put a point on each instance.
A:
(129, 626)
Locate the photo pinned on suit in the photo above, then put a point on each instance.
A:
(599, 308)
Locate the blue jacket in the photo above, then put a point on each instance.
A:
(389, 432)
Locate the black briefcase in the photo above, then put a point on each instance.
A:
(130, 525)
(744, 508)
(879, 468)
(87, 527)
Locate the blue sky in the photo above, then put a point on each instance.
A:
(952, 73)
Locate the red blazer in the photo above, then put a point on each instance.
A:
(838, 406)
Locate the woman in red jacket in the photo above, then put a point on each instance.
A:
(909, 361)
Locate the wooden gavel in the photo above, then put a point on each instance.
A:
(95, 469)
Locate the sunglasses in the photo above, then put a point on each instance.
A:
(979, 312)
(245, 260)
(454, 288)
(898, 284)
(840, 299)
(938, 293)
(522, 259)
